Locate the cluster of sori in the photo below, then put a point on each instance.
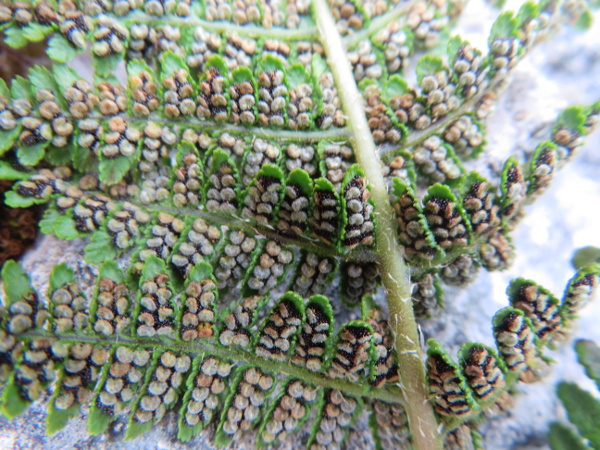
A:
(263, 196)
(465, 136)
(539, 305)
(383, 128)
(61, 127)
(124, 225)
(268, 267)
(427, 21)
(272, 98)
(163, 391)
(244, 407)
(439, 223)
(483, 371)
(239, 51)
(349, 18)
(235, 259)
(206, 387)
(45, 183)
(335, 161)
(198, 310)
(439, 93)
(212, 101)
(144, 94)
(118, 379)
(232, 145)
(200, 244)
(69, 308)
(243, 102)
(426, 294)
(189, 182)
(461, 271)
(396, 44)
(325, 220)
(120, 139)
(400, 167)
(289, 411)
(110, 37)
(300, 107)
(148, 42)
(313, 273)
(157, 312)
(162, 236)
(358, 211)
(535, 320)
(151, 7)
(358, 279)
(436, 161)
(365, 62)
(262, 152)
(178, 95)
(283, 322)
(389, 424)
(337, 415)
(123, 379)
(301, 157)
(295, 207)
(446, 220)
(113, 304)
(446, 385)
(81, 370)
(237, 320)
(386, 367)
(113, 98)
(317, 328)
(464, 225)
(156, 145)
(222, 185)
(354, 350)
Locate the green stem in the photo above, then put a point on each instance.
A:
(259, 132)
(378, 24)
(305, 32)
(252, 228)
(394, 271)
(333, 134)
(209, 346)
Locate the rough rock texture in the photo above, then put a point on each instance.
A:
(563, 72)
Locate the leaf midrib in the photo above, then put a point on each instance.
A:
(209, 346)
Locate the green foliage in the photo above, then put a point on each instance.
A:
(585, 256)
(583, 408)
(220, 189)
(588, 354)
(562, 437)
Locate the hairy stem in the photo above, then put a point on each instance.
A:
(395, 274)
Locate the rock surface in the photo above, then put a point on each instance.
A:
(562, 72)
